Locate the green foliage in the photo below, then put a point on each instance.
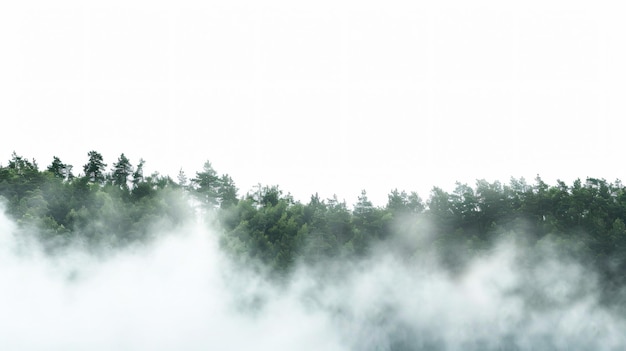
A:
(585, 219)
(121, 172)
(60, 170)
(66, 209)
(206, 184)
(227, 192)
(94, 169)
(211, 189)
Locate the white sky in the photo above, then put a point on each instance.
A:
(328, 96)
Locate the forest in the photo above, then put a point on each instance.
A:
(115, 206)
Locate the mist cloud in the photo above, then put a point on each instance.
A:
(182, 293)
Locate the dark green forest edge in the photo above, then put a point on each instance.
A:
(117, 206)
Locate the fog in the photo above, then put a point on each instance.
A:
(182, 293)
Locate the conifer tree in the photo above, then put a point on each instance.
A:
(94, 169)
(122, 170)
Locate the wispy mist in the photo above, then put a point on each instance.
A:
(182, 293)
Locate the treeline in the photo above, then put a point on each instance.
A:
(97, 208)
(120, 205)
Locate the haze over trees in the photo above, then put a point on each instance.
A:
(121, 206)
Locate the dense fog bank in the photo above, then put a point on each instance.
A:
(181, 292)
(122, 260)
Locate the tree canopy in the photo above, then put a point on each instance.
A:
(266, 225)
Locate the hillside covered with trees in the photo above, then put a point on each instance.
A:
(108, 206)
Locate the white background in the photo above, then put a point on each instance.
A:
(320, 96)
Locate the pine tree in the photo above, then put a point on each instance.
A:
(94, 170)
(138, 174)
(207, 184)
(122, 170)
(60, 169)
